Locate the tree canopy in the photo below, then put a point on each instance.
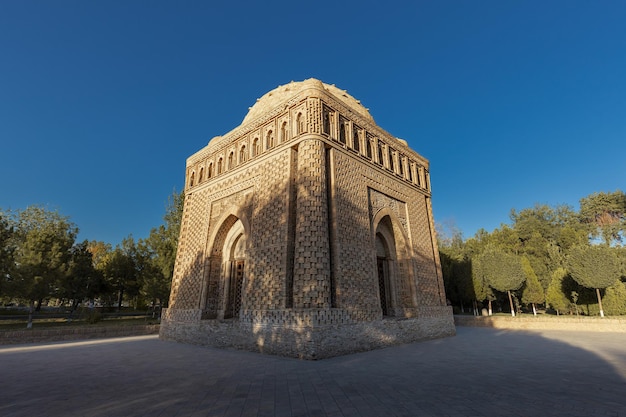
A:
(6, 249)
(605, 212)
(594, 267)
(532, 292)
(43, 240)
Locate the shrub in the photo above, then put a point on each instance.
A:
(93, 316)
(614, 301)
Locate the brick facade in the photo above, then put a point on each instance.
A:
(306, 232)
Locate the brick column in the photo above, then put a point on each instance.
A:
(311, 283)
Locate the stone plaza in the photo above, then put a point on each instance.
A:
(480, 372)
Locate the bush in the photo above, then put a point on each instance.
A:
(614, 301)
(93, 316)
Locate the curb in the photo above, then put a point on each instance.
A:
(13, 337)
(589, 324)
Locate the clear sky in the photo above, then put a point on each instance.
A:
(513, 102)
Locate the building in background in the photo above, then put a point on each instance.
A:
(308, 232)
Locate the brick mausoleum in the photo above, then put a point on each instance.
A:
(308, 232)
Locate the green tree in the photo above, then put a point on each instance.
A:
(594, 267)
(480, 286)
(606, 214)
(120, 271)
(502, 271)
(540, 220)
(532, 292)
(82, 279)
(544, 232)
(155, 286)
(6, 251)
(455, 265)
(555, 296)
(99, 252)
(158, 252)
(44, 240)
(615, 299)
(507, 239)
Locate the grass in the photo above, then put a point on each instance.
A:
(41, 322)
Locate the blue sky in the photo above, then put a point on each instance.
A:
(513, 102)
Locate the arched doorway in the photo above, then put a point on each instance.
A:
(233, 267)
(225, 267)
(394, 266)
(382, 268)
(385, 266)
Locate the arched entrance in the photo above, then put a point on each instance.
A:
(226, 269)
(382, 268)
(234, 266)
(386, 266)
(395, 278)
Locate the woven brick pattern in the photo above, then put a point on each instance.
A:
(430, 285)
(355, 260)
(188, 272)
(312, 259)
(267, 266)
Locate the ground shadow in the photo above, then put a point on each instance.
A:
(481, 372)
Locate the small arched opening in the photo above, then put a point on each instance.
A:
(269, 140)
(231, 158)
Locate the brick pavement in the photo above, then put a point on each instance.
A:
(480, 372)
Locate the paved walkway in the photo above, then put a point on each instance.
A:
(480, 372)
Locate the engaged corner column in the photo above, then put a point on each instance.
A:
(311, 283)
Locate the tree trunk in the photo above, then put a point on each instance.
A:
(599, 302)
(74, 307)
(535, 310)
(119, 301)
(31, 309)
(511, 303)
(490, 310)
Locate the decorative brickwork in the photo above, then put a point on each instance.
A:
(311, 288)
(307, 231)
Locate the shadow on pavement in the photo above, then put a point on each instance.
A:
(480, 372)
